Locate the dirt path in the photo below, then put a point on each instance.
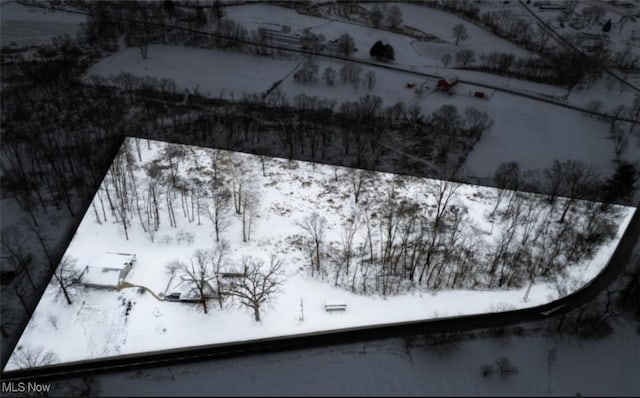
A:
(126, 285)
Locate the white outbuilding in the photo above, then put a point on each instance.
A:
(108, 270)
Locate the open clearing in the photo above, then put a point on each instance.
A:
(518, 133)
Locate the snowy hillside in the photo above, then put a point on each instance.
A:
(419, 249)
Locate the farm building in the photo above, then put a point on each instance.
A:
(108, 271)
(550, 6)
(279, 35)
(446, 83)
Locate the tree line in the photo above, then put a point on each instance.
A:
(556, 65)
(392, 242)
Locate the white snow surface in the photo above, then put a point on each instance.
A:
(394, 367)
(24, 25)
(214, 73)
(98, 323)
(531, 132)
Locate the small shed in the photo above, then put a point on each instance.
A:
(108, 270)
(182, 288)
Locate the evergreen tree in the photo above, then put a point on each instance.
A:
(623, 183)
(382, 52)
(388, 54)
(377, 50)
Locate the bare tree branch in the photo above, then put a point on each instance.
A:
(259, 285)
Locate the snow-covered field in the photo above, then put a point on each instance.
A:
(213, 73)
(251, 16)
(426, 56)
(439, 23)
(25, 25)
(103, 323)
(519, 132)
(528, 131)
(546, 367)
(624, 29)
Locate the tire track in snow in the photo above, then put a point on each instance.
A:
(277, 83)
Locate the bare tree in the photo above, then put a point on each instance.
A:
(507, 176)
(118, 179)
(248, 208)
(370, 79)
(52, 263)
(446, 120)
(329, 75)
(143, 45)
(218, 261)
(443, 193)
(173, 154)
(389, 226)
(218, 208)
(87, 386)
(259, 285)
(21, 293)
(240, 177)
(219, 160)
(505, 367)
(579, 179)
(498, 258)
(358, 178)
(12, 245)
(377, 14)
(315, 226)
(308, 72)
(312, 41)
(346, 45)
(346, 252)
(169, 193)
(32, 357)
(620, 140)
(476, 122)
(68, 275)
(446, 59)
(394, 17)
(465, 57)
(553, 181)
(350, 73)
(11, 319)
(459, 32)
(198, 273)
(593, 14)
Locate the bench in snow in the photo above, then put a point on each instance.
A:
(331, 306)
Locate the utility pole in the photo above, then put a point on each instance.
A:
(526, 295)
(301, 310)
